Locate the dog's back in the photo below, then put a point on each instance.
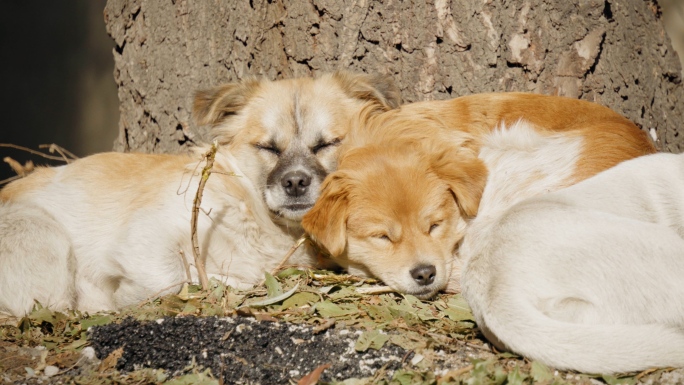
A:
(54, 215)
(587, 278)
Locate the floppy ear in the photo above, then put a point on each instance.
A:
(376, 88)
(466, 176)
(326, 222)
(214, 105)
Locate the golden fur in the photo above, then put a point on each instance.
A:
(360, 210)
(590, 138)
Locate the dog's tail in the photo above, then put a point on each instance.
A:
(589, 348)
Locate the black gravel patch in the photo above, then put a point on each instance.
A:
(241, 350)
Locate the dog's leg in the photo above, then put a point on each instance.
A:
(94, 297)
(36, 260)
(151, 270)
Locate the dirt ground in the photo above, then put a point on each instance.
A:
(329, 329)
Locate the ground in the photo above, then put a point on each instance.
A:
(300, 327)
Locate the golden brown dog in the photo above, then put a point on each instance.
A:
(110, 229)
(412, 178)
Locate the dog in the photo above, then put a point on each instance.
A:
(112, 229)
(384, 212)
(588, 278)
(394, 211)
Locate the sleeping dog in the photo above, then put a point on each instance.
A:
(588, 278)
(110, 230)
(410, 179)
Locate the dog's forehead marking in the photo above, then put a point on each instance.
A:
(373, 222)
(436, 202)
(313, 116)
(400, 193)
(275, 115)
(298, 119)
(277, 122)
(299, 114)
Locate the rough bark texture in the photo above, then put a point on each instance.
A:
(614, 52)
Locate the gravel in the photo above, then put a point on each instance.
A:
(242, 350)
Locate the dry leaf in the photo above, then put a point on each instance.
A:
(312, 378)
(64, 359)
(327, 324)
(109, 363)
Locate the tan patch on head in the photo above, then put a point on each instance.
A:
(213, 106)
(394, 207)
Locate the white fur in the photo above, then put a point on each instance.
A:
(49, 268)
(124, 219)
(588, 278)
(124, 256)
(523, 163)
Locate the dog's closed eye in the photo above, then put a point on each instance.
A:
(268, 147)
(434, 226)
(383, 237)
(323, 145)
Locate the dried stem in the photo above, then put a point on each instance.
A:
(375, 290)
(10, 179)
(287, 256)
(206, 172)
(67, 156)
(19, 169)
(458, 372)
(157, 294)
(34, 152)
(186, 265)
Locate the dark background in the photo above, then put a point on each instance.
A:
(57, 80)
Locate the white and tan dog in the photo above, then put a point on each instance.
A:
(410, 179)
(108, 230)
(589, 278)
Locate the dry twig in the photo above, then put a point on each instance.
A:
(186, 265)
(206, 172)
(19, 169)
(34, 152)
(157, 294)
(67, 156)
(455, 373)
(287, 256)
(375, 290)
(10, 179)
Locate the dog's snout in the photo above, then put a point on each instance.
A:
(296, 183)
(424, 274)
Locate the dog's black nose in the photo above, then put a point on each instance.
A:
(295, 183)
(424, 274)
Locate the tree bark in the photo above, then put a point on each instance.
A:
(614, 52)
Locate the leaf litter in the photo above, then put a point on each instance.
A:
(298, 327)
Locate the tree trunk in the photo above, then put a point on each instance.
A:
(614, 52)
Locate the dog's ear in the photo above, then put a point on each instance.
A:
(466, 176)
(214, 105)
(376, 88)
(326, 222)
